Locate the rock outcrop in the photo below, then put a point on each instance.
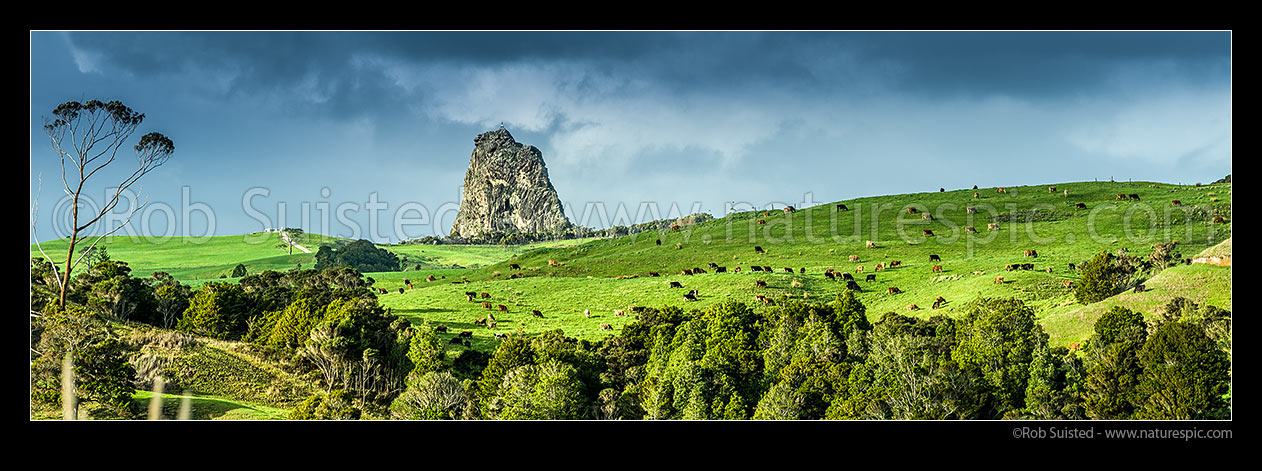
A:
(506, 189)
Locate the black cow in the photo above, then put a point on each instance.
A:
(675, 284)
(871, 277)
(659, 241)
(830, 275)
(653, 273)
(441, 328)
(755, 268)
(1133, 196)
(689, 297)
(766, 268)
(842, 207)
(847, 276)
(515, 266)
(400, 290)
(851, 285)
(720, 269)
(456, 340)
(934, 258)
(758, 249)
(467, 333)
(536, 313)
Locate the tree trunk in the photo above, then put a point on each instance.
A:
(65, 276)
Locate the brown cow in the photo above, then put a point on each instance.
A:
(466, 333)
(895, 263)
(430, 278)
(486, 295)
(854, 258)
(1080, 206)
(1051, 189)
(1049, 269)
(486, 305)
(502, 307)
(469, 297)
(697, 270)
(1001, 190)
(686, 271)
(977, 195)
(1176, 202)
(879, 267)
(970, 210)
(1219, 219)
(970, 229)
(1067, 284)
(790, 270)
(553, 263)
(1031, 253)
(936, 304)
(893, 290)
(912, 210)
(760, 221)
(619, 312)
(871, 245)
(760, 283)
(913, 307)
(940, 300)
(606, 327)
(830, 275)
(479, 321)
(789, 209)
(926, 216)
(992, 226)
(999, 280)
(1121, 196)
(974, 187)
(766, 268)
(858, 269)
(1066, 193)
(441, 328)
(936, 268)
(926, 232)
(409, 283)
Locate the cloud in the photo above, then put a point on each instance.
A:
(1162, 129)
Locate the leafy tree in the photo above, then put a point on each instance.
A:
(238, 271)
(551, 391)
(432, 395)
(360, 255)
(512, 352)
(1185, 375)
(96, 131)
(1112, 364)
(217, 310)
(425, 350)
(1054, 391)
(103, 375)
(336, 405)
(997, 338)
(170, 302)
(1100, 279)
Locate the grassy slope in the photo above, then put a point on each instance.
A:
(586, 276)
(188, 258)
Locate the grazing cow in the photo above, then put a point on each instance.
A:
(1066, 193)
(755, 268)
(977, 195)
(926, 216)
(1080, 206)
(1140, 288)
(934, 258)
(502, 307)
(382, 291)
(970, 210)
(491, 316)
(790, 270)
(400, 290)
(456, 340)
(766, 215)
(737, 270)
(501, 336)
(553, 263)
(893, 290)
(441, 328)
(855, 258)
(467, 334)
(694, 293)
(871, 277)
(842, 207)
(431, 278)
(606, 327)
(486, 295)
(936, 304)
(1001, 190)
(408, 283)
(895, 263)
(1051, 189)
(789, 209)
(830, 275)
(760, 283)
(941, 300)
(1121, 196)
(653, 273)
(516, 276)
(871, 245)
(469, 297)
(1011, 267)
(536, 313)
(676, 284)
(689, 297)
(992, 226)
(637, 308)
(926, 232)
(479, 321)
(879, 267)
(713, 265)
(1176, 202)
(697, 270)
(471, 293)
(674, 227)
(941, 190)
(970, 229)
(720, 269)
(936, 269)
(999, 280)
(802, 271)
(847, 277)
(974, 187)
(1067, 284)
(515, 266)
(761, 221)
(587, 313)
(913, 307)
(1219, 219)
(1031, 253)
(912, 210)
(1072, 267)
(766, 268)
(486, 305)
(619, 312)
(686, 271)
(1133, 196)
(1049, 269)
(659, 241)
(758, 249)
(859, 269)
(1027, 266)
(851, 285)
(466, 344)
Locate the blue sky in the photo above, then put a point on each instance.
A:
(638, 119)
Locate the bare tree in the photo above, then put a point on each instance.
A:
(87, 137)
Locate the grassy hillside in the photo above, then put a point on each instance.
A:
(818, 238)
(188, 258)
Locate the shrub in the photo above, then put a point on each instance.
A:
(1100, 279)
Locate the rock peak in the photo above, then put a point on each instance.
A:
(506, 190)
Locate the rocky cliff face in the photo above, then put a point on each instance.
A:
(506, 189)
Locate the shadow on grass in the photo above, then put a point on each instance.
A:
(207, 408)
